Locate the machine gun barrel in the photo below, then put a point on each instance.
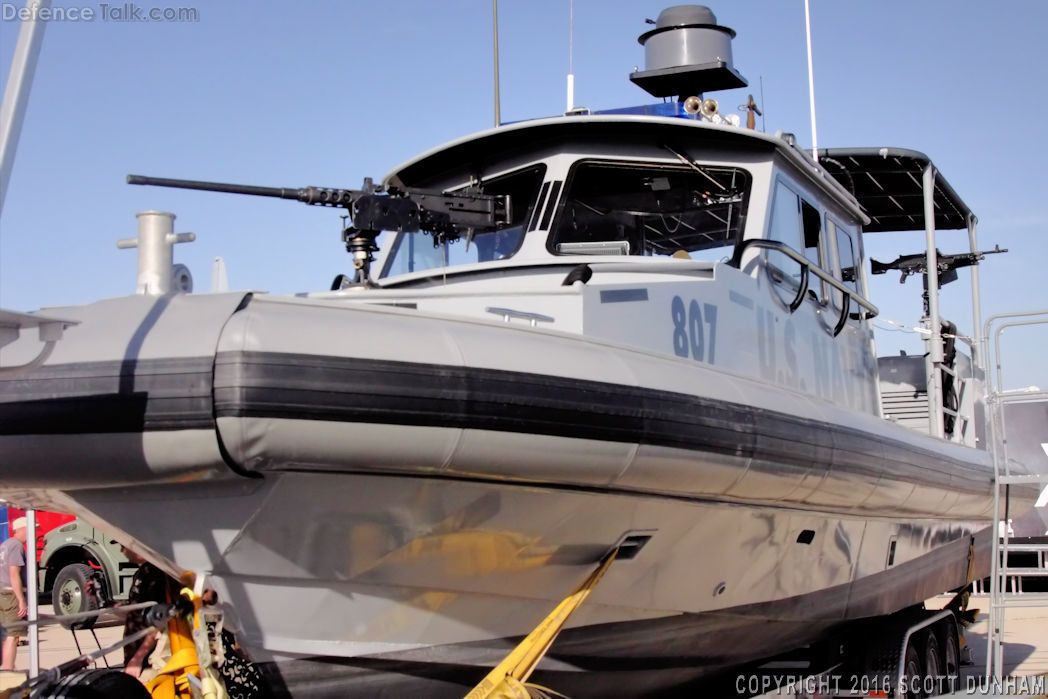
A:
(310, 195)
(446, 213)
(448, 216)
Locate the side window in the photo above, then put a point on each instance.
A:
(814, 250)
(847, 258)
(785, 218)
(785, 228)
(798, 224)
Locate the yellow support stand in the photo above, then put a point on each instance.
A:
(174, 681)
(507, 680)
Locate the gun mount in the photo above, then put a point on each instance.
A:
(446, 216)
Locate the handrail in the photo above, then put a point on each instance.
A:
(508, 313)
(49, 329)
(1020, 396)
(996, 397)
(806, 267)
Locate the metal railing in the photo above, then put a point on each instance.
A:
(996, 399)
(848, 295)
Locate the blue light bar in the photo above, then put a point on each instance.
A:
(663, 109)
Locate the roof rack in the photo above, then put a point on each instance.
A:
(887, 182)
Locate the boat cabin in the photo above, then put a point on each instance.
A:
(675, 230)
(709, 242)
(678, 231)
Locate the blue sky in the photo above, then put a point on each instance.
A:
(326, 93)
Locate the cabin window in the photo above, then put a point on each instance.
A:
(417, 252)
(847, 259)
(785, 228)
(653, 210)
(812, 234)
(798, 224)
(785, 225)
(814, 249)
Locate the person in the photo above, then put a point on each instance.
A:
(13, 607)
(149, 584)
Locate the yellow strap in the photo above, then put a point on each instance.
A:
(506, 680)
(172, 681)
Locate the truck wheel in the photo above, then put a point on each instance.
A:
(76, 590)
(97, 684)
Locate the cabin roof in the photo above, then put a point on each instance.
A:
(480, 150)
(507, 140)
(888, 183)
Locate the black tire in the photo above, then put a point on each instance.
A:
(951, 653)
(914, 673)
(933, 666)
(76, 590)
(97, 684)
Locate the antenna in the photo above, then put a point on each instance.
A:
(764, 106)
(571, 55)
(811, 84)
(495, 32)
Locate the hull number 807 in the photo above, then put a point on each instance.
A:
(694, 330)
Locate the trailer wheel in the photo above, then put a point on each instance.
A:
(76, 590)
(933, 665)
(951, 651)
(913, 674)
(97, 684)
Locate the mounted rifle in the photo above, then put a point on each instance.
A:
(372, 209)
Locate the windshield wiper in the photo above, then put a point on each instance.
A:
(694, 166)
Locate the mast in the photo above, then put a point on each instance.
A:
(19, 82)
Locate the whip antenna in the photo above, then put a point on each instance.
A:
(571, 55)
(495, 33)
(811, 83)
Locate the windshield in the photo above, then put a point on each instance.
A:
(627, 209)
(417, 252)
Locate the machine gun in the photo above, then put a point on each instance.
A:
(946, 264)
(447, 216)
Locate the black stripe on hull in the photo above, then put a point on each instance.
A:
(153, 395)
(110, 397)
(343, 389)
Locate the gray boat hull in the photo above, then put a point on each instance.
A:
(412, 512)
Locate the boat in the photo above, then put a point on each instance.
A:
(645, 331)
